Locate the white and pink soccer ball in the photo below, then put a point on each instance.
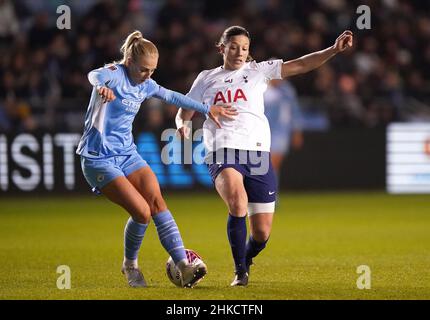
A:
(173, 274)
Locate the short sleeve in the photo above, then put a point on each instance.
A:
(271, 68)
(196, 91)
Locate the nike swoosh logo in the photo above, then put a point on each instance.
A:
(270, 193)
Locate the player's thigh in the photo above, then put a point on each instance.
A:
(123, 193)
(229, 184)
(145, 181)
(261, 225)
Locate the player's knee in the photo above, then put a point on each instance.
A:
(142, 215)
(237, 208)
(261, 235)
(157, 204)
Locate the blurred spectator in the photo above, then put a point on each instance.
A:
(43, 70)
(9, 25)
(282, 109)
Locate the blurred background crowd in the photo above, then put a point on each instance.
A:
(385, 78)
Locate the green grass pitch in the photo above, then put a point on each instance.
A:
(317, 243)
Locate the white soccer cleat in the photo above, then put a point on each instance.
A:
(240, 279)
(134, 277)
(192, 273)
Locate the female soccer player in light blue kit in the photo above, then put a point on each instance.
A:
(111, 164)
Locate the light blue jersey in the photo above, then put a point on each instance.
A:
(108, 126)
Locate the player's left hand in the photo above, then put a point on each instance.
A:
(344, 41)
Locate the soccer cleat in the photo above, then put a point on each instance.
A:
(241, 279)
(192, 273)
(134, 277)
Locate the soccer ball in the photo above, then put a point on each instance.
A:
(173, 274)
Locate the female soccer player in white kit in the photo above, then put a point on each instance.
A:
(238, 154)
(110, 161)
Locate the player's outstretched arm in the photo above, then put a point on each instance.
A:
(316, 59)
(214, 112)
(181, 101)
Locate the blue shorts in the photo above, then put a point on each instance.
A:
(258, 176)
(99, 172)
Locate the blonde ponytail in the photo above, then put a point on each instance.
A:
(136, 45)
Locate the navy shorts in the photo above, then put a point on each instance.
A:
(258, 176)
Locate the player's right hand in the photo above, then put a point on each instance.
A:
(106, 94)
(223, 111)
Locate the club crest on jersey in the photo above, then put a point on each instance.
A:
(228, 97)
(131, 106)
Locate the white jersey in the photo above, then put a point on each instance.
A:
(244, 90)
